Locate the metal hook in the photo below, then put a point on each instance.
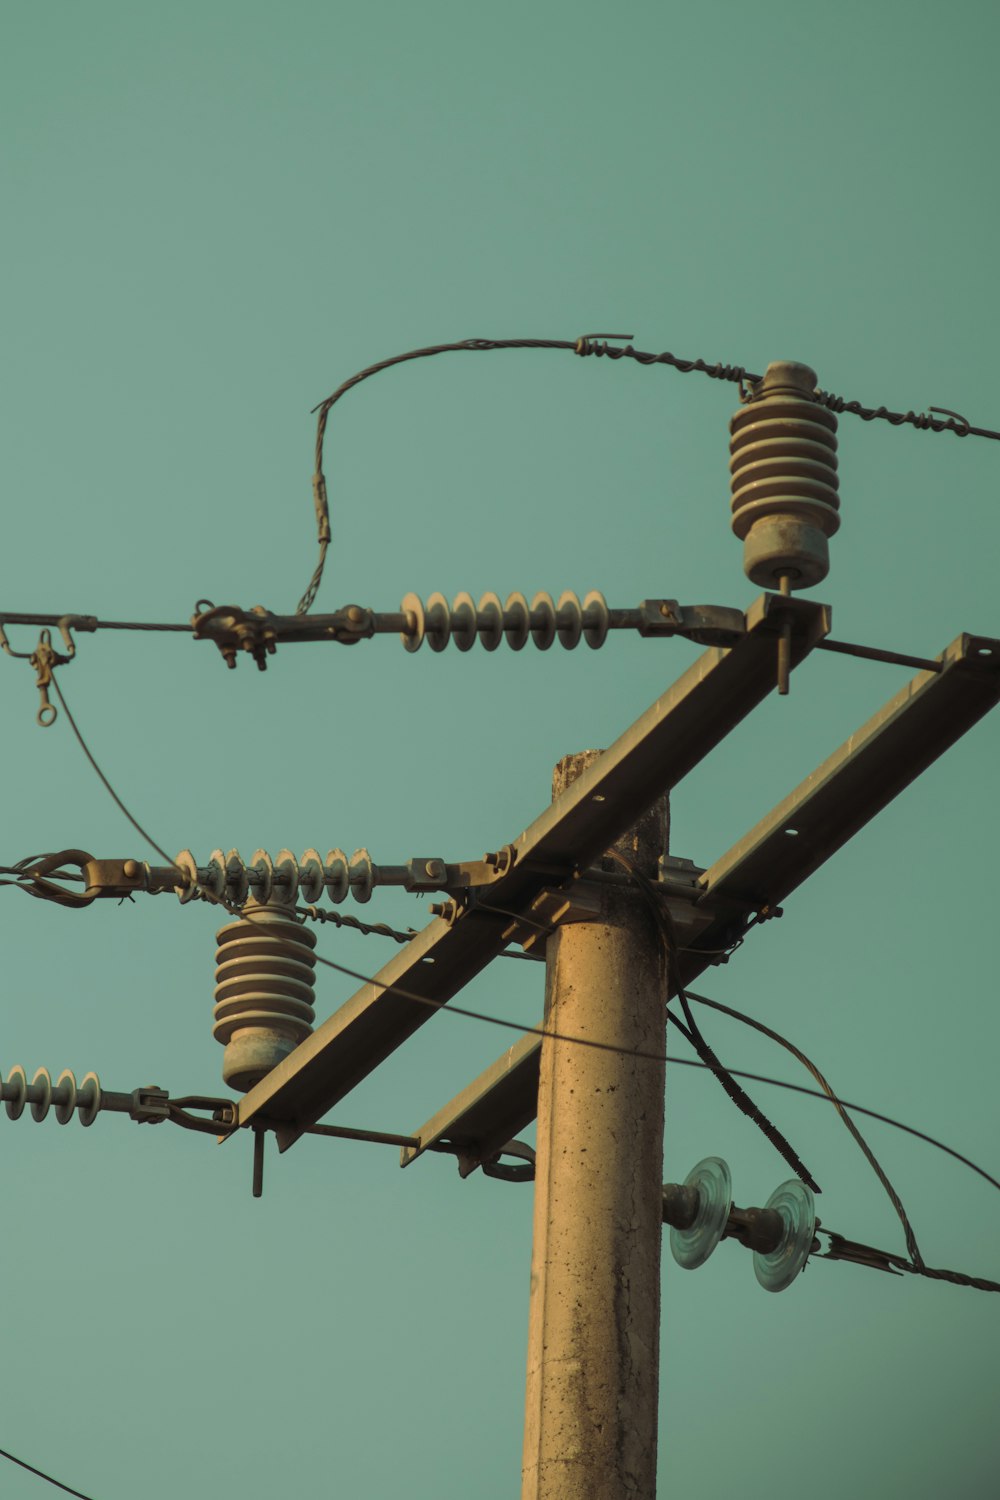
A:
(43, 659)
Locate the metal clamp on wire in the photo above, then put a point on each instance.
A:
(704, 624)
(150, 1106)
(37, 871)
(233, 629)
(257, 631)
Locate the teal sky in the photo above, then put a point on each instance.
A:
(214, 213)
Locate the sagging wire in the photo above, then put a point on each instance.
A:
(915, 1265)
(611, 346)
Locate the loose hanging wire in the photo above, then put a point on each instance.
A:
(611, 346)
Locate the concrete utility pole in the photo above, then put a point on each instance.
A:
(593, 1331)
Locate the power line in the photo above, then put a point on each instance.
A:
(67, 1489)
(913, 1265)
(607, 346)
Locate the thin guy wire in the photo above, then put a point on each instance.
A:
(598, 345)
(107, 784)
(957, 1278)
(42, 1475)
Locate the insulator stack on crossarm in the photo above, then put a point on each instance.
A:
(543, 621)
(231, 879)
(64, 1097)
(264, 991)
(784, 479)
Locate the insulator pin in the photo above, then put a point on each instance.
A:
(784, 479)
(41, 1095)
(463, 622)
(264, 992)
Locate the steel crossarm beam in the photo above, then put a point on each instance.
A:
(489, 1113)
(869, 770)
(898, 743)
(716, 692)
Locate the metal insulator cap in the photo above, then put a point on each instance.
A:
(264, 992)
(784, 479)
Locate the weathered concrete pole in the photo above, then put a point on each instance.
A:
(593, 1330)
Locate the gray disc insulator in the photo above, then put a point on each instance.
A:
(784, 479)
(263, 993)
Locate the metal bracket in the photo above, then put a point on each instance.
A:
(494, 1167)
(150, 1106)
(840, 1248)
(705, 624)
(551, 909)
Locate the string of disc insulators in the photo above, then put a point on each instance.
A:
(285, 879)
(64, 1096)
(543, 621)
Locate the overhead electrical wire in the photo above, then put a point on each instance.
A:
(915, 1264)
(67, 1489)
(664, 923)
(608, 346)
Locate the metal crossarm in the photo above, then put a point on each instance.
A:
(869, 770)
(898, 743)
(671, 737)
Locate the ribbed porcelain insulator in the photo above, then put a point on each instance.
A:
(263, 993)
(784, 479)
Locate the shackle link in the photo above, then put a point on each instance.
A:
(64, 1096)
(489, 622)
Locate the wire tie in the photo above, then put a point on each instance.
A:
(966, 424)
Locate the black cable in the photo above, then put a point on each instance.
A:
(541, 1032)
(663, 919)
(107, 784)
(42, 1475)
(775, 1036)
(690, 1030)
(598, 346)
